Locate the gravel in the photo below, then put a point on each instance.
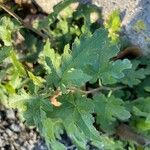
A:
(15, 135)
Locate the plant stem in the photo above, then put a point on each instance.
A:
(98, 89)
(22, 22)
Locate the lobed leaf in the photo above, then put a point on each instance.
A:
(108, 110)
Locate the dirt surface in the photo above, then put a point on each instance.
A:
(132, 12)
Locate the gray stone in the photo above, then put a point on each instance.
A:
(10, 114)
(15, 128)
(23, 148)
(5, 136)
(9, 132)
(47, 5)
(148, 19)
(1, 143)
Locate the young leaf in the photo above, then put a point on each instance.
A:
(36, 79)
(5, 52)
(142, 107)
(6, 29)
(19, 101)
(113, 24)
(18, 66)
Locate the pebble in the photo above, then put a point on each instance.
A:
(9, 132)
(10, 114)
(1, 143)
(15, 135)
(15, 128)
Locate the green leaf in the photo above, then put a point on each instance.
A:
(113, 24)
(114, 71)
(147, 88)
(119, 66)
(9, 88)
(75, 77)
(76, 113)
(142, 89)
(142, 125)
(54, 57)
(51, 62)
(88, 50)
(143, 104)
(52, 78)
(134, 75)
(6, 29)
(5, 52)
(36, 79)
(19, 101)
(34, 107)
(141, 108)
(51, 128)
(17, 64)
(95, 51)
(108, 110)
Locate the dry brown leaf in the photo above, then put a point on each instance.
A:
(54, 100)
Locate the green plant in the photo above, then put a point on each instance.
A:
(69, 81)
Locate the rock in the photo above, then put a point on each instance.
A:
(15, 128)
(10, 114)
(47, 5)
(5, 136)
(40, 145)
(9, 132)
(148, 19)
(23, 148)
(22, 126)
(1, 143)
